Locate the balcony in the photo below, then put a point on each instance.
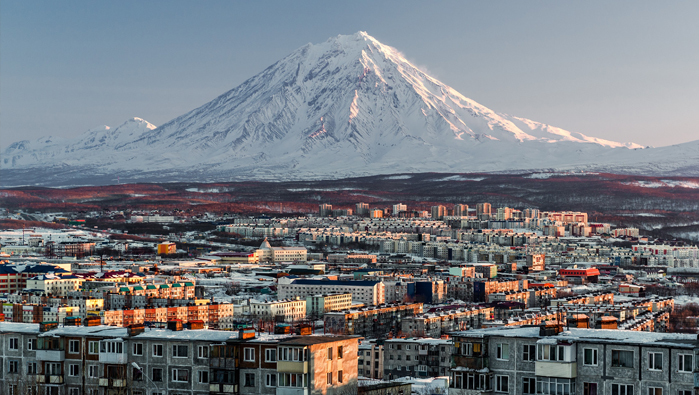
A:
(292, 391)
(292, 367)
(222, 388)
(116, 358)
(565, 370)
(51, 355)
(48, 379)
(112, 383)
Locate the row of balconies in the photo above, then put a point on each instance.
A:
(60, 356)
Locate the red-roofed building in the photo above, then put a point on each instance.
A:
(589, 275)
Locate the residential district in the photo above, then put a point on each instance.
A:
(381, 301)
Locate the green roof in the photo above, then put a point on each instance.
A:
(124, 289)
(188, 284)
(176, 285)
(138, 288)
(151, 287)
(164, 286)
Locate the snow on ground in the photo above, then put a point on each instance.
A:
(686, 299)
(543, 176)
(403, 177)
(664, 184)
(640, 215)
(460, 178)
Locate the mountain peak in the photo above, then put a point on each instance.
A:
(348, 106)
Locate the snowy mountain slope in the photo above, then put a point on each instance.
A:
(348, 106)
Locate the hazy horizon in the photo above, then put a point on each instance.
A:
(626, 71)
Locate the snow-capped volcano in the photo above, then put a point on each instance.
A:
(349, 106)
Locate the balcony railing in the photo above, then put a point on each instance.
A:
(292, 367)
(566, 370)
(112, 383)
(51, 355)
(47, 379)
(291, 391)
(116, 358)
(223, 388)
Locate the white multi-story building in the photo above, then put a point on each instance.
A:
(53, 284)
(267, 253)
(292, 310)
(317, 305)
(368, 292)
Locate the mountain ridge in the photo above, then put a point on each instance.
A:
(347, 106)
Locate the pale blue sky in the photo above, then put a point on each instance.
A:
(621, 70)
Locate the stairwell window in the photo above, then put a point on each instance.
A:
(503, 352)
(622, 359)
(502, 383)
(179, 351)
(590, 356)
(249, 354)
(529, 352)
(622, 389)
(685, 362)
(655, 361)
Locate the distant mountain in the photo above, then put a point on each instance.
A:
(347, 107)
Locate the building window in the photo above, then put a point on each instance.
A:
(157, 350)
(330, 353)
(271, 356)
(529, 385)
(622, 359)
(137, 349)
(655, 391)
(73, 370)
(92, 371)
(203, 352)
(589, 388)
(502, 383)
(292, 380)
(590, 356)
(180, 375)
(655, 361)
(31, 368)
(529, 352)
(13, 366)
(249, 379)
(73, 391)
(179, 351)
(157, 374)
(31, 344)
(684, 392)
(685, 362)
(14, 343)
(407, 358)
(551, 352)
(74, 346)
(137, 374)
(503, 352)
(93, 347)
(554, 386)
(249, 354)
(622, 389)
(330, 378)
(203, 376)
(339, 376)
(271, 379)
(339, 351)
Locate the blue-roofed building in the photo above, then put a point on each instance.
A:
(368, 292)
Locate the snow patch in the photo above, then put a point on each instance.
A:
(460, 178)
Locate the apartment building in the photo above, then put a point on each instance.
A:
(52, 284)
(372, 322)
(317, 305)
(286, 310)
(549, 360)
(441, 322)
(370, 359)
(367, 292)
(417, 357)
(99, 360)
